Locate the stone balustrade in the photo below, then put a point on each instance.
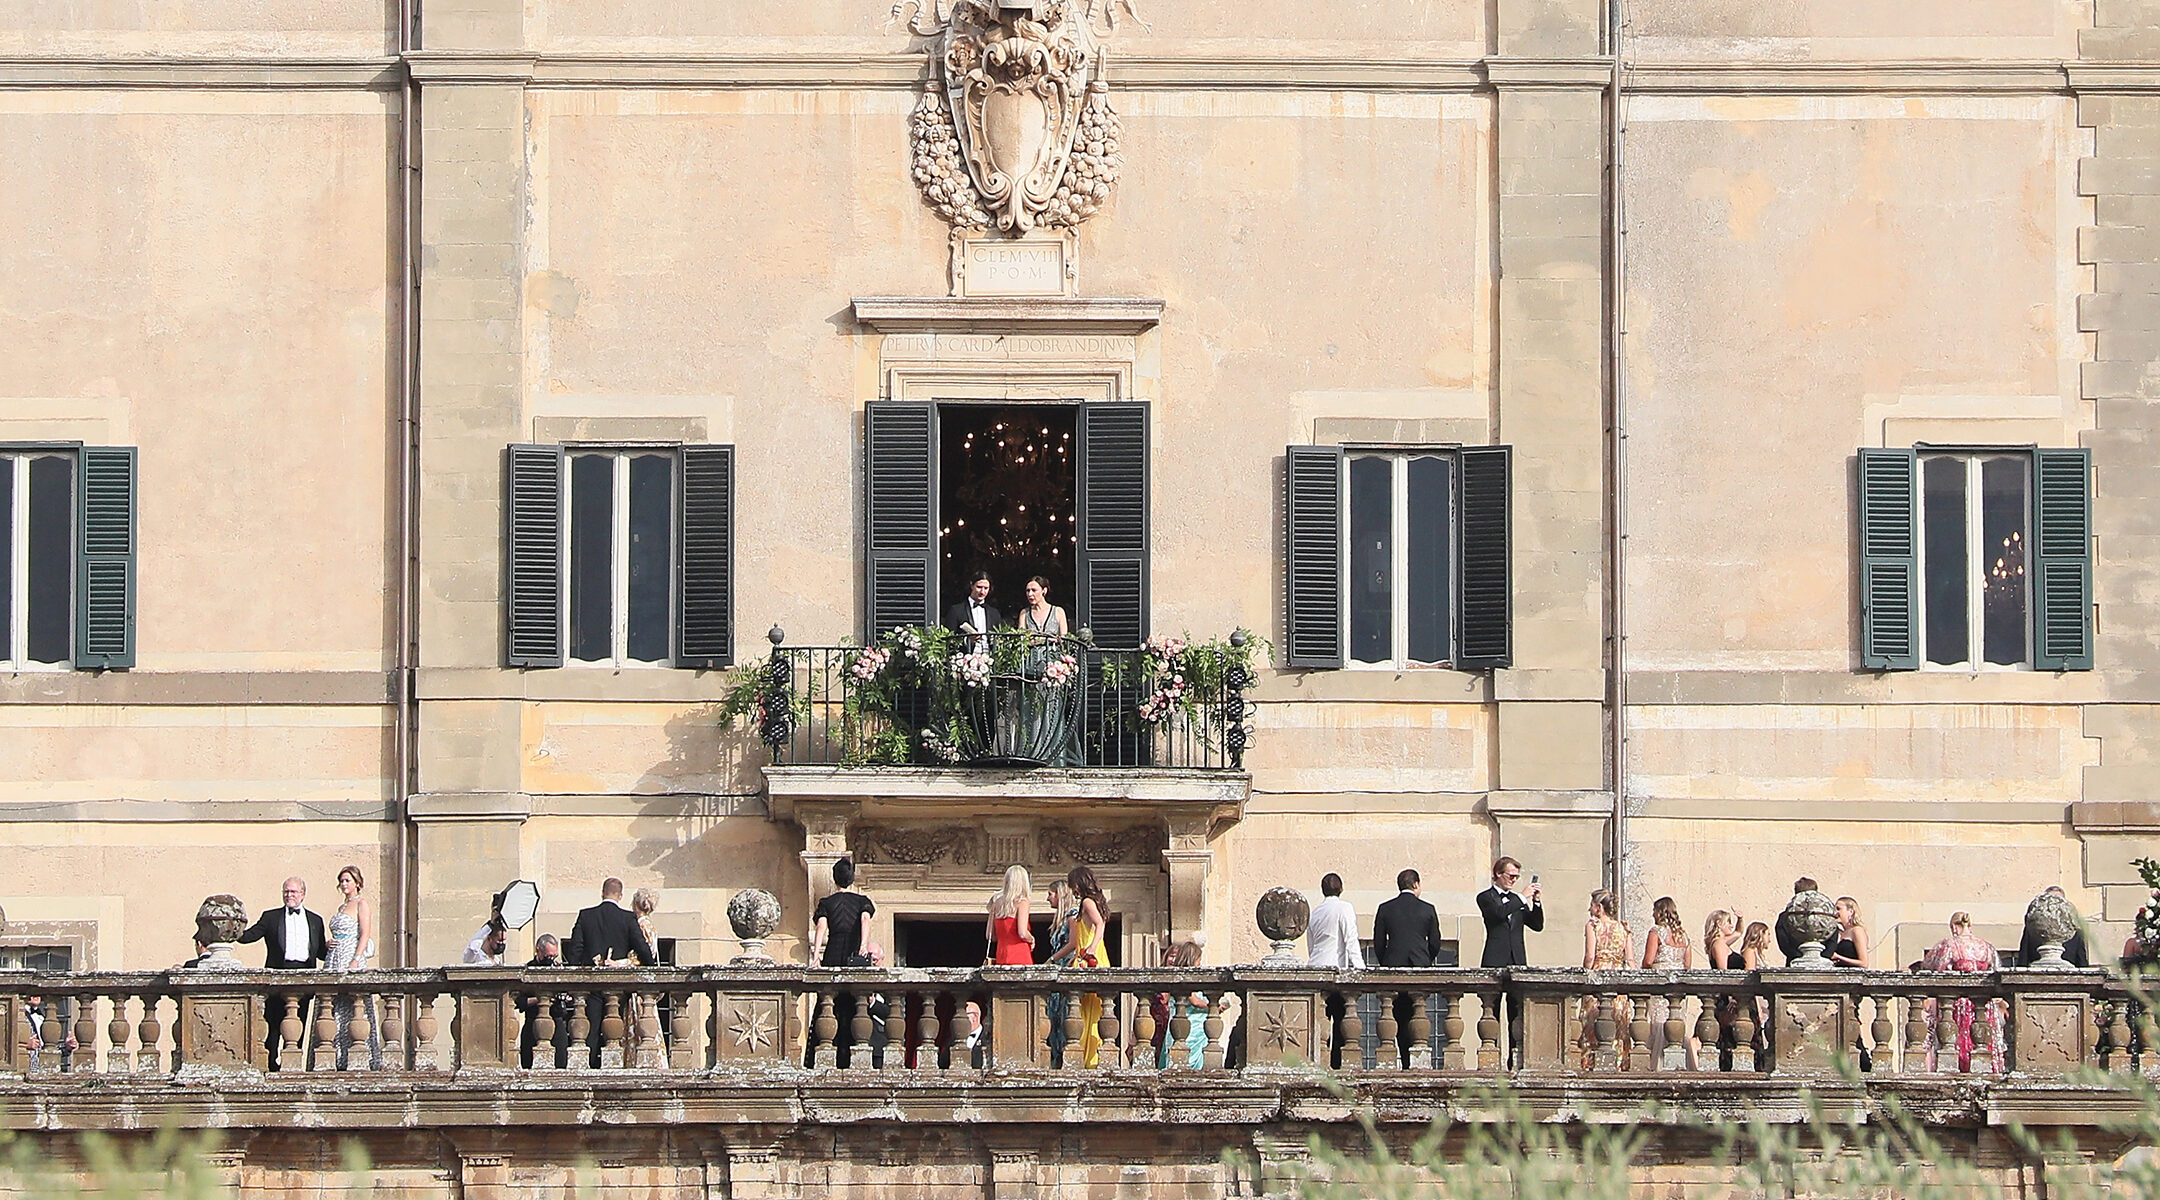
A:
(801, 1023)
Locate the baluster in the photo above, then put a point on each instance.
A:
(1674, 1032)
(958, 1056)
(861, 1055)
(2148, 1035)
(929, 1031)
(361, 1053)
(149, 1055)
(1946, 1029)
(1143, 1024)
(1983, 1035)
(117, 1030)
(1390, 1031)
(290, 1032)
(1916, 1035)
(323, 1054)
(1605, 1034)
(1074, 1058)
(427, 1053)
(1106, 1028)
(392, 1007)
(651, 1053)
(682, 1033)
(1180, 1030)
(540, 1019)
(1421, 1032)
(1492, 1044)
(1744, 1032)
(1708, 1033)
(1350, 1042)
(1881, 1033)
(1454, 1048)
(1211, 1057)
(1639, 1061)
(612, 1030)
(825, 1033)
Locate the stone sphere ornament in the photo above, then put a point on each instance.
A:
(219, 922)
(753, 913)
(1282, 915)
(1811, 921)
(2052, 921)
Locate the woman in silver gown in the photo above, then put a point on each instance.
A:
(352, 948)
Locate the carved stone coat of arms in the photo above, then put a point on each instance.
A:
(1015, 127)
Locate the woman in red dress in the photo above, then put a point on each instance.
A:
(1011, 942)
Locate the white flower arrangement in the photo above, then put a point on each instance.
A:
(972, 669)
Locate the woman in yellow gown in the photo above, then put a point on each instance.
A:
(1087, 943)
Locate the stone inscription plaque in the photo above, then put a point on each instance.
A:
(1033, 266)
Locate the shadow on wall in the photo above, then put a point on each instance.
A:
(705, 838)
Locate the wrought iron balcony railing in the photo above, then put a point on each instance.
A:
(928, 697)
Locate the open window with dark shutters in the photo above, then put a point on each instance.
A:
(67, 557)
(619, 556)
(1975, 558)
(1396, 557)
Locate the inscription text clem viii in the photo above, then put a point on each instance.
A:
(1015, 127)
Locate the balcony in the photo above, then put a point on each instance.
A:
(1004, 700)
(729, 1071)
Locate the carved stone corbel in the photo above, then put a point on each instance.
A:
(825, 842)
(1188, 858)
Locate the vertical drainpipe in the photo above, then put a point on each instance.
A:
(406, 717)
(1616, 451)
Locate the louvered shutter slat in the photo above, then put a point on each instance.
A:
(1889, 561)
(1113, 485)
(705, 599)
(2062, 578)
(1312, 544)
(1486, 586)
(532, 557)
(105, 564)
(900, 482)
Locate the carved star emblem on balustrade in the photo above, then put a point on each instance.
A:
(752, 1030)
(1280, 1032)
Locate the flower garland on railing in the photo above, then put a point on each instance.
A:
(2146, 926)
(903, 694)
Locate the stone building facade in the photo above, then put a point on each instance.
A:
(322, 266)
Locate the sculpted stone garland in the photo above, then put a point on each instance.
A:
(1015, 128)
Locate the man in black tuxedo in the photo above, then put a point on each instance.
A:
(294, 939)
(1506, 916)
(975, 612)
(1787, 944)
(1405, 933)
(607, 932)
(2073, 950)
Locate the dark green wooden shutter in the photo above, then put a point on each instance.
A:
(1113, 485)
(1312, 547)
(2062, 577)
(105, 558)
(900, 487)
(532, 557)
(705, 571)
(1486, 589)
(1889, 561)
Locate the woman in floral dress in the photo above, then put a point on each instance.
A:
(1966, 952)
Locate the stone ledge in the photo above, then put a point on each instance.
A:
(940, 314)
(423, 807)
(927, 790)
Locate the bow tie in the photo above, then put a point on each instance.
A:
(292, 912)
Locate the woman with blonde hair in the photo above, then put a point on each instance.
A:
(1968, 953)
(1605, 948)
(1008, 942)
(352, 948)
(1666, 949)
(1849, 945)
(1721, 936)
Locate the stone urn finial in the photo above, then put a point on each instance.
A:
(1282, 914)
(1810, 920)
(218, 924)
(2052, 921)
(753, 913)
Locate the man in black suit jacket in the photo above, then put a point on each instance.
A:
(975, 611)
(285, 948)
(606, 932)
(1506, 916)
(1788, 945)
(1405, 933)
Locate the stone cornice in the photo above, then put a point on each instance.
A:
(937, 314)
(927, 791)
(274, 74)
(2115, 77)
(1898, 78)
